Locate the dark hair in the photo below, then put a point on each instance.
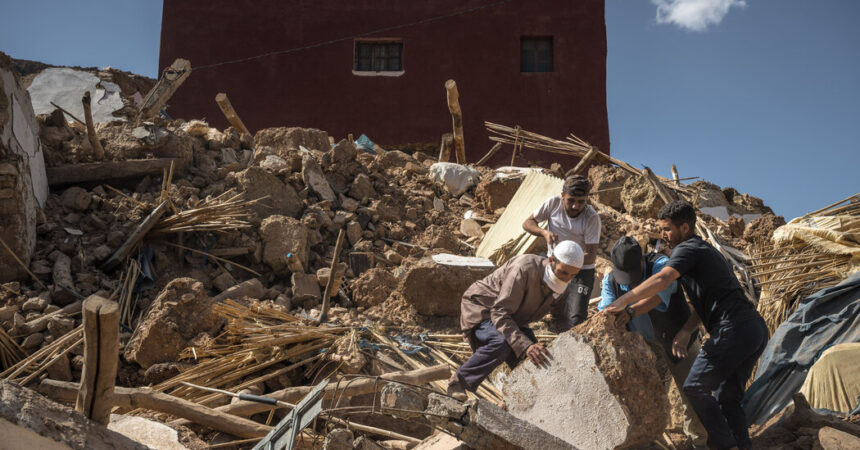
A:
(576, 185)
(679, 212)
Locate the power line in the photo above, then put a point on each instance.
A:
(348, 38)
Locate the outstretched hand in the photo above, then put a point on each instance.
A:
(538, 354)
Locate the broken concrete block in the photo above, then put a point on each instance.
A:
(305, 287)
(405, 402)
(29, 420)
(362, 188)
(250, 288)
(495, 192)
(596, 364)
(315, 180)
(373, 287)
(483, 425)
(471, 228)
(434, 288)
(338, 439)
(76, 199)
(224, 281)
(281, 199)
(180, 312)
(353, 232)
(148, 432)
(285, 244)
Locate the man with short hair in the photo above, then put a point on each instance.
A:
(660, 325)
(496, 311)
(569, 217)
(738, 334)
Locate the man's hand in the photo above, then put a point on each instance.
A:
(538, 355)
(621, 319)
(616, 307)
(551, 238)
(680, 343)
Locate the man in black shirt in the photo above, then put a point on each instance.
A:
(738, 334)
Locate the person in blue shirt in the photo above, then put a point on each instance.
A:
(669, 314)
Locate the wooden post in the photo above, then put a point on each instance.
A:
(170, 80)
(457, 116)
(134, 238)
(333, 274)
(91, 130)
(664, 193)
(675, 176)
(583, 162)
(489, 154)
(516, 143)
(445, 147)
(230, 113)
(101, 355)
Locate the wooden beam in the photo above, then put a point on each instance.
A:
(170, 80)
(230, 113)
(101, 357)
(675, 176)
(583, 162)
(130, 244)
(445, 147)
(457, 117)
(333, 277)
(489, 154)
(667, 195)
(108, 170)
(134, 398)
(91, 130)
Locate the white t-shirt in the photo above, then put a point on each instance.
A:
(583, 229)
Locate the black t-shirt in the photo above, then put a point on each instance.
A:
(713, 289)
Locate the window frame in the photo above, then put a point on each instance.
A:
(373, 42)
(535, 53)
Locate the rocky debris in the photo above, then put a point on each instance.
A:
(252, 288)
(147, 432)
(315, 180)
(435, 289)
(179, 314)
(639, 198)
(736, 226)
(761, 229)
(607, 183)
(276, 197)
(285, 141)
(595, 362)
(75, 198)
(494, 192)
(338, 439)
(405, 401)
(455, 178)
(285, 244)
(373, 287)
(30, 420)
(305, 288)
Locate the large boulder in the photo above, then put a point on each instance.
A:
(640, 199)
(435, 288)
(180, 313)
(601, 390)
(607, 182)
(285, 244)
(280, 198)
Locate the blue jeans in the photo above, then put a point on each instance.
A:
(723, 366)
(490, 349)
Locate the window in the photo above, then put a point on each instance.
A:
(378, 56)
(536, 54)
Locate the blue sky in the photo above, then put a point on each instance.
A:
(761, 95)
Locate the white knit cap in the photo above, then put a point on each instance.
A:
(568, 252)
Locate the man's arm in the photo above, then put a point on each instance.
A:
(510, 298)
(682, 337)
(649, 288)
(590, 254)
(531, 226)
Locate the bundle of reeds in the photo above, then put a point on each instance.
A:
(27, 369)
(789, 270)
(228, 211)
(10, 352)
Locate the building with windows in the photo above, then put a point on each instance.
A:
(379, 67)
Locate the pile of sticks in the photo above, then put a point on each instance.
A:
(10, 352)
(228, 211)
(789, 272)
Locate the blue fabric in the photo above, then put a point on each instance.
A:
(723, 366)
(363, 142)
(830, 316)
(490, 350)
(608, 296)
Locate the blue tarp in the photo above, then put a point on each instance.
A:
(830, 316)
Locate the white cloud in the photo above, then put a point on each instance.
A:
(695, 15)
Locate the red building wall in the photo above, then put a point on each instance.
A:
(315, 87)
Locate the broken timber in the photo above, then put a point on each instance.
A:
(334, 277)
(108, 170)
(170, 80)
(91, 130)
(230, 113)
(445, 147)
(457, 117)
(101, 356)
(583, 163)
(126, 248)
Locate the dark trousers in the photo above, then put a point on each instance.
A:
(723, 366)
(578, 295)
(490, 349)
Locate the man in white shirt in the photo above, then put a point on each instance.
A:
(569, 217)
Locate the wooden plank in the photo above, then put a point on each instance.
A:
(666, 194)
(332, 278)
(230, 113)
(170, 80)
(457, 117)
(130, 244)
(583, 162)
(489, 154)
(445, 147)
(101, 357)
(91, 130)
(107, 170)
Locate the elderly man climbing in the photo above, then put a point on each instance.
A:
(495, 312)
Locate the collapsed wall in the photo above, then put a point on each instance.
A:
(23, 184)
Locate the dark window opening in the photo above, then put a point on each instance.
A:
(378, 56)
(536, 54)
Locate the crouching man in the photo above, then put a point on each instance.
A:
(495, 312)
